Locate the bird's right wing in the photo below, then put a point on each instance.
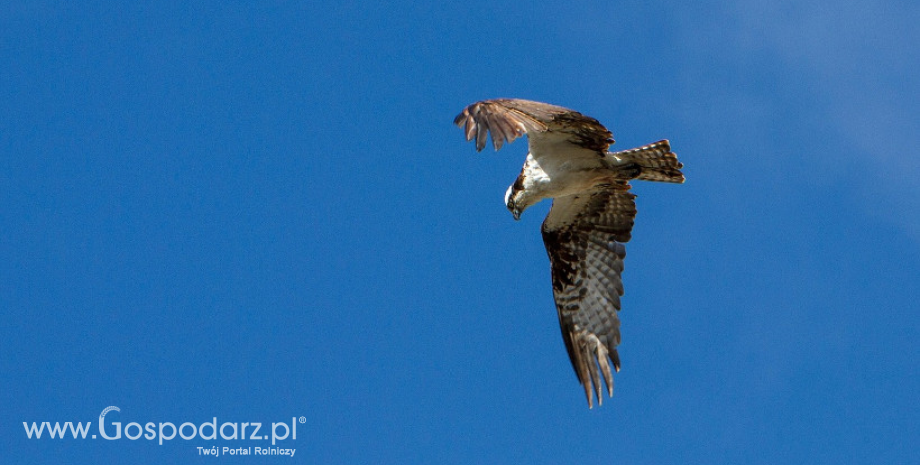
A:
(584, 236)
(508, 119)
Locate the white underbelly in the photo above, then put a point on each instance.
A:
(564, 183)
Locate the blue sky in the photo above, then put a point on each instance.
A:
(254, 212)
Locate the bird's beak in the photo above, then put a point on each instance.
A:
(517, 214)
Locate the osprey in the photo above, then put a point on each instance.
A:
(590, 219)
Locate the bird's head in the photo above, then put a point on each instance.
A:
(515, 201)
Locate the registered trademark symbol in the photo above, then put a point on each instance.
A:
(303, 419)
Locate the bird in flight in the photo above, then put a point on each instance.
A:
(590, 219)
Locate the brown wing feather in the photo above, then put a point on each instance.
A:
(584, 236)
(508, 119)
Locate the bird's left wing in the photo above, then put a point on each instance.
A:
(508, 119)
(584, 236)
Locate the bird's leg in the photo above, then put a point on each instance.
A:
(628, 170)
(625, 169)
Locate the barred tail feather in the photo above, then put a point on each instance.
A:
(657, 161)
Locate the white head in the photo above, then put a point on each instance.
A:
(515, 199)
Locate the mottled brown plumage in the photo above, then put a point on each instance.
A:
(590, 220)
(508, 119)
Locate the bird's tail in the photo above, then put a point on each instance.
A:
(657, 162)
